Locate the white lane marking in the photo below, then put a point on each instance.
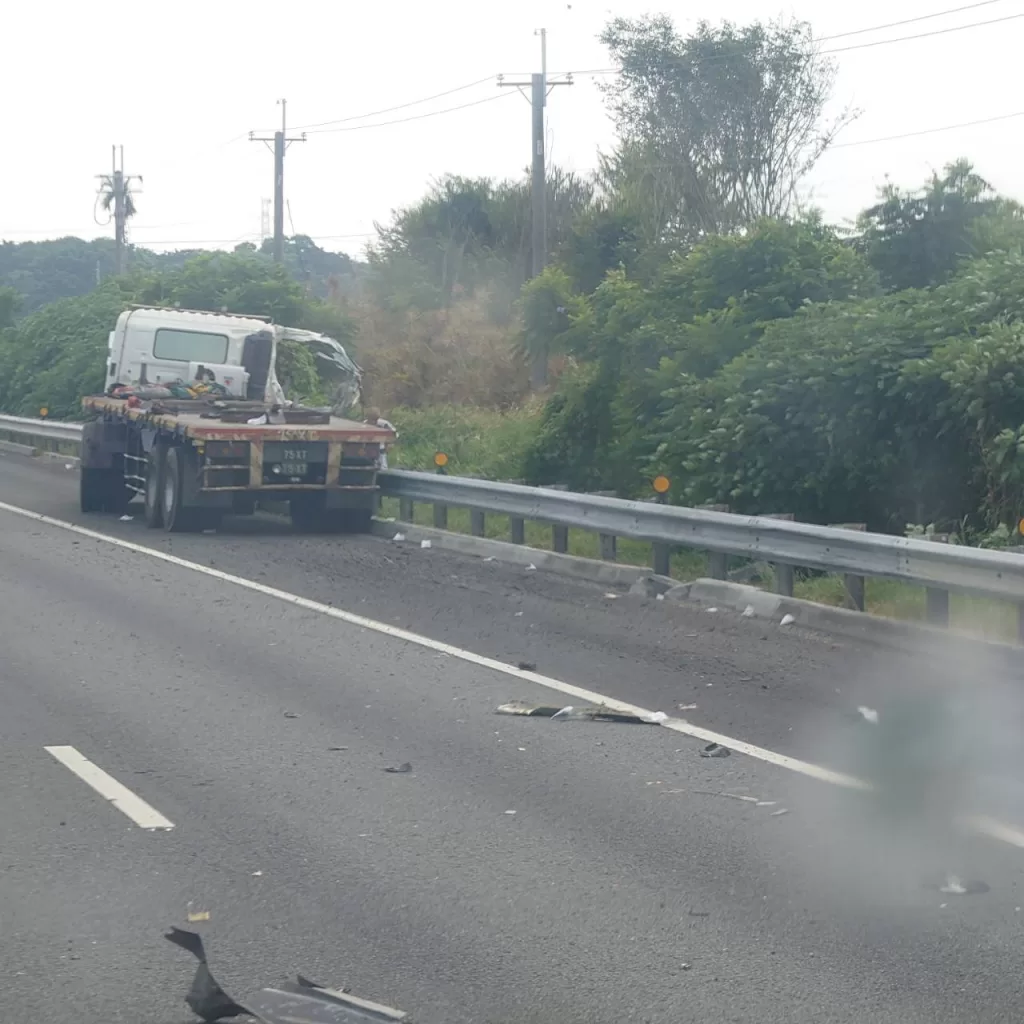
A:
(570, 690)
(110, 789)
(984, 826)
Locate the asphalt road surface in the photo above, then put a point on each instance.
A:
(635, 880)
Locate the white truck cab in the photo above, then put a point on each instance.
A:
(158, 346)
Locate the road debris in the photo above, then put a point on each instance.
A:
(595, 713)
(781, 811)
(687, 707)
(291, 714)
(195, 916)
(711, 611)
(337, 748)
(67, 465)
(402, 769)
(399, 536)
(489, 558)
(787, 620)
(127, 519)
(526, 666)
(299, 1002)
(510, 812)
(748, 612)
(952, 886)
(611, 597)
(257, 874)
(715, 750)
(868, 714)
(531, 568)
(425, 544)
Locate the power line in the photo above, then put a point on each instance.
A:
(711, 58)
(925, 35)
(414, 117)
(928, 131)
(403, 106)
(907, 21)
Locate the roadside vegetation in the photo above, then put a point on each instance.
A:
(694, 319)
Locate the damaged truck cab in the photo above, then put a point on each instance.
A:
(194, 419)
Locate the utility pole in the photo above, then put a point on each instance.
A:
(116, 189)
(540, 87)
(280, 143)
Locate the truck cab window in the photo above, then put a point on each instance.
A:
(189, 346)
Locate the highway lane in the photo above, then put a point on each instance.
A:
(789, 690)
(262, 730)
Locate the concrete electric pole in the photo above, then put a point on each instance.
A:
(540, 86)
(280, 143)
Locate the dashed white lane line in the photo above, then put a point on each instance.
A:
(109, 788)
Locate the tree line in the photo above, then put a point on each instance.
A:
(697, 318)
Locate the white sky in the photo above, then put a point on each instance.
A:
(181, 84)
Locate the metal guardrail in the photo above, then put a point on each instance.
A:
(940, 568)
(47, 430)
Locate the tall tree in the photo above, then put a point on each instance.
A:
(717, 129)
(915, 239)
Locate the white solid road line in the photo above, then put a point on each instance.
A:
(570, 690)
(983, 826)
(110, 789)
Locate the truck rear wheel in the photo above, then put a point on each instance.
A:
(177, 516)
(309, 512)
(156, 467)
(356, 520)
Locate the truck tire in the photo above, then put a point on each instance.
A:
(92, 489)
(177, 516)
(156, 467)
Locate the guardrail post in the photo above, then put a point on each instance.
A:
(718, 565)
(560, 539)
(937, 606)
(854, 586)
(783, 579)
(477, 522)
(1020, 623)
(440, 516)
(609, 546)
(661, 559)
(405, 510)
(517, 529)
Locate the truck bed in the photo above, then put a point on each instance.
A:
(192, 424)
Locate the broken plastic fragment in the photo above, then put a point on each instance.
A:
(425, 544)
(596, 713)
(715, 750)
(399, 536)
(195, 916)
(127, 519)
(748, 612)
(531, 568)
(299, 1002)
(787, 620)
(869, 714)
(687, 707)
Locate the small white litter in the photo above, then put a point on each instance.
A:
(127, 519)
(787, 620)
(67, 465)
(425, 544)
(489, 558)
(711, 611)
(869, 714)
(510, 812)
(531, 568)
(780, 812)
(611, 597)
(659, 597)
(399, 536)
(657, 718)
(687, 707)
(748, 612)
(519, 615)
